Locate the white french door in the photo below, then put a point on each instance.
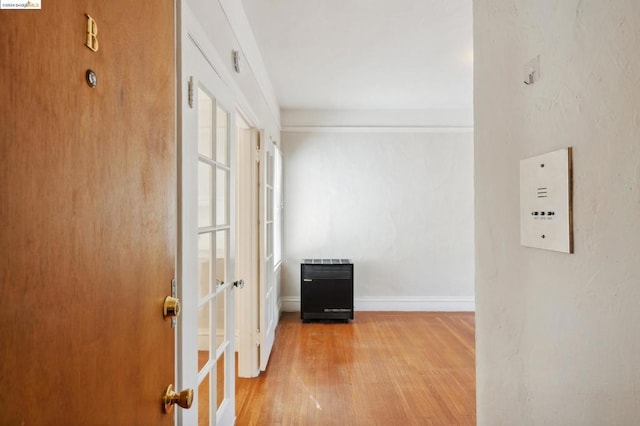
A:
(268, 292)
(206, 330)
(260, 220)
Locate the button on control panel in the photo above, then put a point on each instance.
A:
(543, 213)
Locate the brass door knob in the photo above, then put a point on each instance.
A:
(171, 307)
(183, 398)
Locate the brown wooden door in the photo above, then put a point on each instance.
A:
(87, 213)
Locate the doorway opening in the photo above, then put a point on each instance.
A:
(247, 255)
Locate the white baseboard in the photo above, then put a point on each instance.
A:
(401, 304)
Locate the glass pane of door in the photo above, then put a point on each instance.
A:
(222, 196)
(222, 134)
(204, 265)
(204, 336)
(205, 124)
(205, 203)
(220, 383)
(204, 406)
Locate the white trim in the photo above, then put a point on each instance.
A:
(289, 304)
(378, 129)
(430, 118)
(402, 304)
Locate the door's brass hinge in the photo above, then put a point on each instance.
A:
(190, 92)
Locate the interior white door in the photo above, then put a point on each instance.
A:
(248, 256)
(268, 294)
(206, 331)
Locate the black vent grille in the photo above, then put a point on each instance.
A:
(327, 261)
(324, 272)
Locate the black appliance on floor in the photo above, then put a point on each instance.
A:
(326, 289)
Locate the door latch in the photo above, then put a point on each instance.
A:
(171, 306)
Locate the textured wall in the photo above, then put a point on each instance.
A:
(558, 336)
(399, 204)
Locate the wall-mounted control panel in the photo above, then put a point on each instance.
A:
(546, 219)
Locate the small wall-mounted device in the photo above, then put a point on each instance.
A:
(546, 213)
(532, 71)
(236, 61)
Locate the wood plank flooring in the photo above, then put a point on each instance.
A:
(384, 368)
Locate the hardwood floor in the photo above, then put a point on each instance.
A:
(384, 368)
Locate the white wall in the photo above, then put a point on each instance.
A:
(558, 336)
(400, 204)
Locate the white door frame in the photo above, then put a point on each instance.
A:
(248, 256)
(257, 304)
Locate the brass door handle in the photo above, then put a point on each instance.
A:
(171, 307)
(183, 398)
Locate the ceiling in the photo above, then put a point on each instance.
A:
(366, 54)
